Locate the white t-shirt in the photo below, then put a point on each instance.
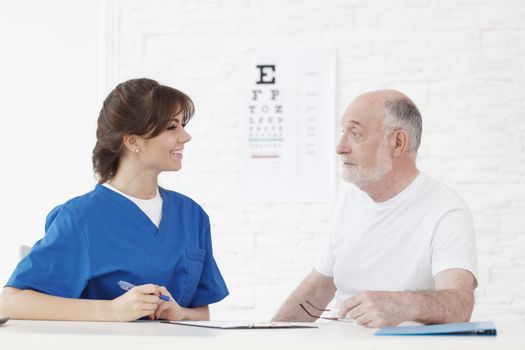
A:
(399, 244)
(151, 207)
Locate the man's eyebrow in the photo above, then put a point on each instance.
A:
(352, 123)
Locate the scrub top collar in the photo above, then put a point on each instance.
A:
(138, 213)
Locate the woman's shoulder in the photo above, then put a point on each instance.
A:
(73, 208)
(80, 203)
(182, 200)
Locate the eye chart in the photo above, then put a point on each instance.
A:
(289, 121)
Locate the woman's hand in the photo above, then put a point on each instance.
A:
(169, 310)
(139, 301)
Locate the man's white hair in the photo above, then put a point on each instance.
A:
(403, 114)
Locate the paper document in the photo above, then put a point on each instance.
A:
(242, 324)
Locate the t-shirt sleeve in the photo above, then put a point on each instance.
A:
(324, 263)
(211, 287)
(58, 264)
(454, 243)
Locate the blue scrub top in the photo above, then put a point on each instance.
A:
(95, 240)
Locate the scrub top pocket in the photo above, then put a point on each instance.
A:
(194, 260)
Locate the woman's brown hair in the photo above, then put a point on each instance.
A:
(135, 107)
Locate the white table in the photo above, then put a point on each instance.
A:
(58, 335)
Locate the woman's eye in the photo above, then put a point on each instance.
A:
(172, 127)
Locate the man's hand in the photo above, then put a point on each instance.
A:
(376, 308)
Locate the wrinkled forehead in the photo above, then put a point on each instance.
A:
(365, 112)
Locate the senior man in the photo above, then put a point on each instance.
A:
(401, 245)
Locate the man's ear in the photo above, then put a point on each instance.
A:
(131, 143)
(400, 142)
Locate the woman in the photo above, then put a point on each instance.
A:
(128, 232)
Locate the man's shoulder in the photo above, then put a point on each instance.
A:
(442, 195)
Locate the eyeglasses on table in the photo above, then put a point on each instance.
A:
(348, 320)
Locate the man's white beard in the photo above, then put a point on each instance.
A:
(363, 177)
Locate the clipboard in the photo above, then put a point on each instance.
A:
(463, 328)
(242, 324)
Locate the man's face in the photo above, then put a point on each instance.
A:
(363, 145)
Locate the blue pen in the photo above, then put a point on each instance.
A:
(127, 286)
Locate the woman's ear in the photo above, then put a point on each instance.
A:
(131, 143)
(400, 143)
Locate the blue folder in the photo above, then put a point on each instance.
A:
(465, 328)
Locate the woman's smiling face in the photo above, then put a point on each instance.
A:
(164, 151)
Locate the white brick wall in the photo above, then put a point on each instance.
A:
(463, 62)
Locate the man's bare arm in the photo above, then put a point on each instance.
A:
(452, 301)
(316, 288)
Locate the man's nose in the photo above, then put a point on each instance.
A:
(342, 146)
